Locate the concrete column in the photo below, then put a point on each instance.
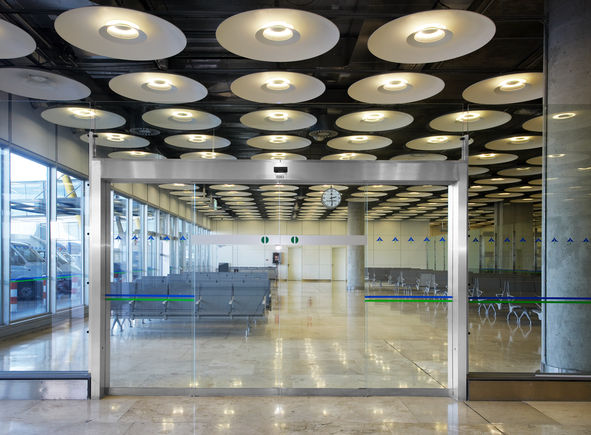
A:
(356, 254)
(566, 344)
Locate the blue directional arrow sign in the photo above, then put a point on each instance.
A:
(395, 239)
(586, 240)
(475, 240)
(135, 237)
(166, 238)
(426, 239)
(554, 240)
(538, 240)
(150, 237)
(183, 238)
(507, 240)
(570, 240)
(411, 239)
(379, 239)
(522, 239)
(118, 238)
(491, 240)
(442, 239)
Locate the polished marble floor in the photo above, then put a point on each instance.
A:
(316, 335)
(291, 415)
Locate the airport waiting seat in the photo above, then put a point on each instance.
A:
(215, 298)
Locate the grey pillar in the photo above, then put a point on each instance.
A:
(356, 254)
(566, 344)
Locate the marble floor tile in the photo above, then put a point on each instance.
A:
(566, 413)
(511, 413)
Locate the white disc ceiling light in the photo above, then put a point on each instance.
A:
(40, 84)
(117, 140)
(83, 117)
(436, 143)
(277, 87)
(374, 120)
(470, 120)
(498, 180)
(395, 88)
(160, 88)
(197, 141)
(515, 143)
(136, 155)
(349, 156)
(507, 89)
(535, 124)
(278, 156)
(359, 143)
(278, 120)
(522, 171)
(476, 170)
(420, 156)
(277, 35)
(181, 119)
(207, 155)
(15, 41)
(120, 33)
(278, 142)
(431, 36)
(491, 158)
(228, 187)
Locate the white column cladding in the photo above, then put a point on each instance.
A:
(356, 254)
(566, 347)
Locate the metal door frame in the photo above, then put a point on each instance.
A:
(454, 174)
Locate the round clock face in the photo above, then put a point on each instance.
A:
(331, 198)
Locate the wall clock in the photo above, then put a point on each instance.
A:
(331, 198)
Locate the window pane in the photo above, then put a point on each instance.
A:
(120, 238)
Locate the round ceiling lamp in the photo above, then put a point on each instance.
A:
(491, 158)
(278, 187)
(120, 33)
(40, 84)
(515, 143)
(476, 170)
(197, 141)
(359, 143)
(503, 195)
(480, 188)
(277, 35)
(436, 143)
(83, 117)
(228, 193)
(369, 194)
(420, 156)
(228, 187)
(374, 120)
(176, 186)
(181, 119)
(277, 87)
(524, 189)
(136, 155)
(349, 156)
(207, 155)
(522, 171)
(323, 187)
(538, 161)
(395, 88)
(471, 120)
(364, 199)
(535, 124)
(117, 140)
(278, 142)
(278, 156)
(162, 88)
(498, 180)
(15, 41)
(431, 36)
(427, 188)
(278, 194)
(278, 120)
(507, 89)
(377, 188)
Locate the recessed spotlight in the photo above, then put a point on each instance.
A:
(564, 115)
(138, 153)
(555, 156)
(372, 117)
(358, 139)
(208, 154)
(438, 139)
(347, 156)
(197, 138)
(523, 169)
(512, 85)
(278, 116)
(497, 179)
(122, 29)
(487, 156)
(429, 34)
(520, 139)
(468, 117)
(278, 84)
(278, 154)
(38, 79)
(395, 85)
(278, 139)
(82, 113)
(115, 137)
(159, 84)
(182, 116)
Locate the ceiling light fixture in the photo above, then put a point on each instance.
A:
(555, 156)
(122, 29)
(197, 138)
(278, 116)
(115, 137)
(278, 31)
(182, 116)
(430, 33)
(82, 113)
(523, 169)
(278, 84)
(468, 117)
(278, 154)
(564, 115)
(347, 156)
(208, 154)
(438, 139)
(520, 139)
(372, 117)
(38, 79)
(512, 85)
(138, 153)
(278, 139)
(358, 139)
(395, 85)
(159, 84)
(487, 156)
